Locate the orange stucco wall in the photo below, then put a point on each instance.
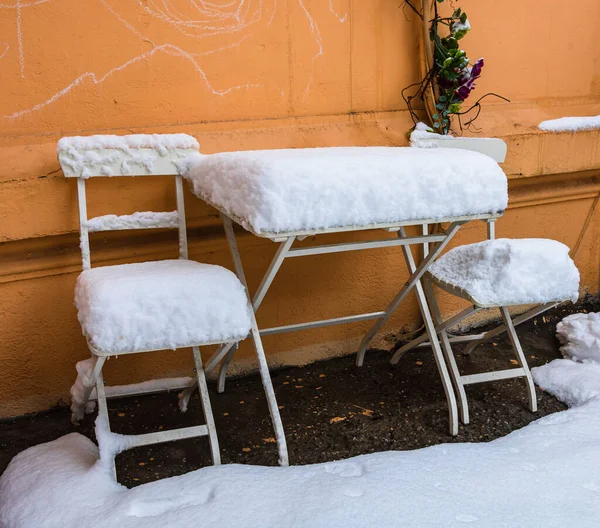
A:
(252, 75)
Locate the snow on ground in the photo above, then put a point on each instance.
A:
(571, 124)
(580, 336)
(287, 190)
(545, 474)
(506, 271)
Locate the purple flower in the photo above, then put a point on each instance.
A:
(476, 69)
(468, 84)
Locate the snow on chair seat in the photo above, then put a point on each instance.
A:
(507, 272)
(299, 191)
(497, 274)
(167, 304)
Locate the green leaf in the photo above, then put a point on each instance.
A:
(436, 116)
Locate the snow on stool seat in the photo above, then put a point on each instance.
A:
(497, 274)
(160, 305)
(315, 189)
(506, 272)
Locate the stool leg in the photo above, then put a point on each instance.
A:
(516, 344)
(206, 408)
(463, 405)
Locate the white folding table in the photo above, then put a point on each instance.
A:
(231, 182)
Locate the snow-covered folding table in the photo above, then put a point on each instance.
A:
(287, 195)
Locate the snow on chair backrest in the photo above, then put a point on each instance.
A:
(133, 155)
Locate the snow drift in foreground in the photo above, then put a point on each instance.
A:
(571, 124)
(580, 336)
(545, 474)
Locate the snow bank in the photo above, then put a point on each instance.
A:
(277, 191)
(505, 272)
(161, 142)
(572, 383)
(580, 336)
(542, 475)
(139, 220)
(160, 305)
(571, 124)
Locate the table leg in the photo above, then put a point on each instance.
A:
(418, 273)
(435, 344)
(258, 347)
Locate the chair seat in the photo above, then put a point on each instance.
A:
(507, 272)
(159, 305)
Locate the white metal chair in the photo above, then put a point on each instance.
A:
(152, 306)
(497, 274)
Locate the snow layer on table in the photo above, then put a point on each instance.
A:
(505, 271)
(276, 191)
(139, 220)
(579, 335)
(571, 124)
(160, 305)
(161, 142)
(545, 474)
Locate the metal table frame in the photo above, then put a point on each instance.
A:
(438, 242)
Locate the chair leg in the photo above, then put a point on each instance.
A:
(516, 344)
(206, 408)
(463, 405)
(103, 413)
(223, 369)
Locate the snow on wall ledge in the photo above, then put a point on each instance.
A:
(571, 124)
(542, 475)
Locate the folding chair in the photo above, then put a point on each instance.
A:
(152, 306)
(497, 274)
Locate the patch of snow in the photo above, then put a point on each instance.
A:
(570, 382)
(571, 124)
(139, 220)
(423, 136)
(160, 305)
(542, 475)
(276, 191)
(83, 383)
(459, 26)
(579, 335)
(160, 142)
(505, 271)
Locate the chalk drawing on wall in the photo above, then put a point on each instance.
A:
(201, 22)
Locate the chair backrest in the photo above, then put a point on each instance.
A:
(133, 155)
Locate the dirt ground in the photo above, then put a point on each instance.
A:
(330, 410)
